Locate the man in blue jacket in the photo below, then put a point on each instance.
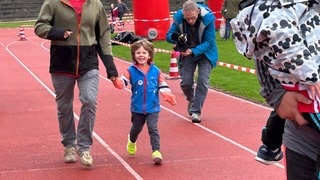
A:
(193, 34)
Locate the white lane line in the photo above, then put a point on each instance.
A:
(100, 140)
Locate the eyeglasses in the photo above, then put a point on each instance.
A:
(190, 18)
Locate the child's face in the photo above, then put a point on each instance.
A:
(141, 56)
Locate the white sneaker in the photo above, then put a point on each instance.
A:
(86, 158)
(195, 118)
(70, 154)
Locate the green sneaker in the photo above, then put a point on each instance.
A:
(131, 147)
(157, 157)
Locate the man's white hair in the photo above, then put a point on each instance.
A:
(190, 5)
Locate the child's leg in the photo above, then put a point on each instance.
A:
(270, 152)
(152, 123)
(272, 133)
(138, 121)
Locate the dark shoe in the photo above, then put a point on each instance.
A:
(190, 104)
(267, 156)
(195, 118)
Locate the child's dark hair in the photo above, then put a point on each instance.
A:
(147, 45)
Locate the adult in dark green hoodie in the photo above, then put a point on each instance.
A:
(229, 10)
(78, 30)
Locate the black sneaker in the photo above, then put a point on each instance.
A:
(267, 156)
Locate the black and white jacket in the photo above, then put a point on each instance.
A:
(282, 36)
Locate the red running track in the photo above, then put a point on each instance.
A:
(222, 147)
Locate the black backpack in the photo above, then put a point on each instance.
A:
(245, 3)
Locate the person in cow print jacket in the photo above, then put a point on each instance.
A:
(282, 36)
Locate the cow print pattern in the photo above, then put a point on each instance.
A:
(285, 35)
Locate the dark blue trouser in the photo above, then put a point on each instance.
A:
(138, 121)
(187, 68)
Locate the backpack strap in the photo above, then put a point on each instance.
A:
(245, 3)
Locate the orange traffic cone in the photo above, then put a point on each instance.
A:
(22, 35)
(174, 70)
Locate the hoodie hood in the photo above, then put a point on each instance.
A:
(250, 18)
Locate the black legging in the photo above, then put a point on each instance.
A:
(273, 131)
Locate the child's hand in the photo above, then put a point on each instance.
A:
(118, 83)
(315, 90)
(169, 97)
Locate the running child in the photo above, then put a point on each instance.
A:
(147, 81)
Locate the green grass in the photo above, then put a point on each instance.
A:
(16, 24)
(237, 83)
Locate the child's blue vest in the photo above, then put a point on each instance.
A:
(144, 88)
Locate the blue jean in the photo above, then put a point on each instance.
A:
(228, 29)
(138, 121)
(187, 67)
(88, 91)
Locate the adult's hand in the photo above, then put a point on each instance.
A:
(67, 34)
(288, 108)
(188, 52)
